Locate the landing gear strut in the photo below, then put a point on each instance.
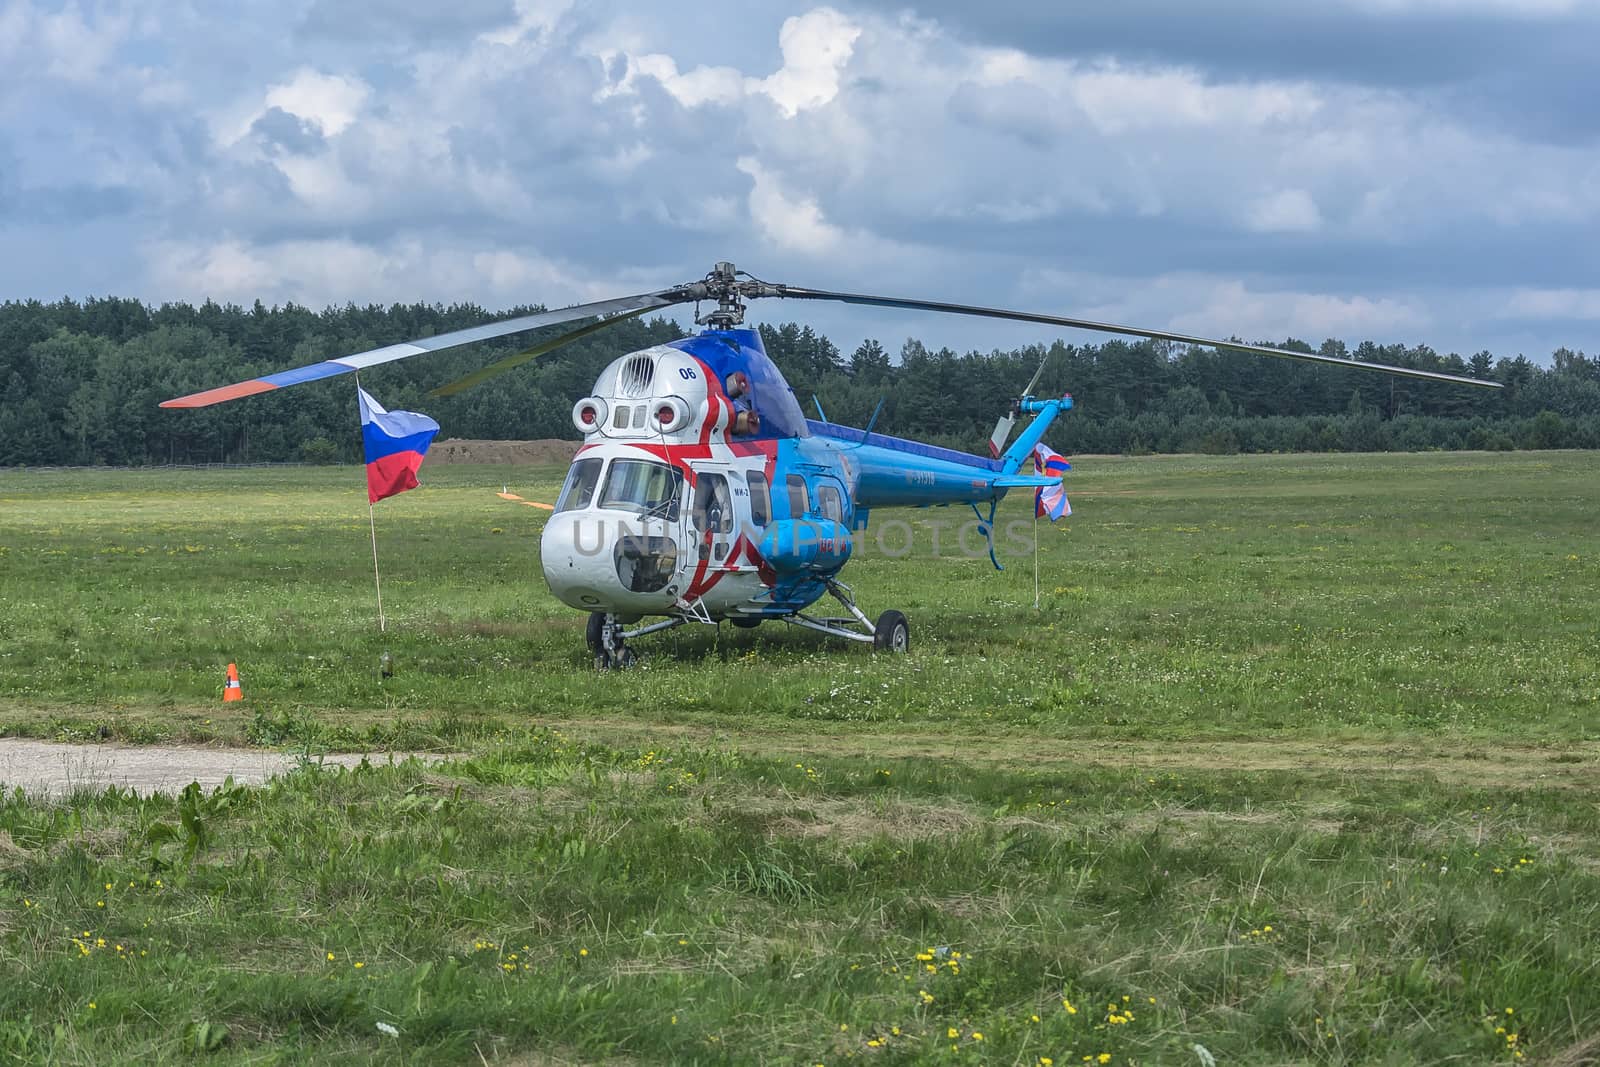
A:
(608, 640)
(604, 635)
(891, 633)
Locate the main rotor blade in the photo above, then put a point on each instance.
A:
(499, 367)
(362, 360)
(1106, 327)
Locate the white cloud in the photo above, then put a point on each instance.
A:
(1212, 305)
(1550, 304)
(1286, 211)
(331, 102)
(336, 270)
(792, 223)
(816, 46)
(1229, 307)
(535, 19)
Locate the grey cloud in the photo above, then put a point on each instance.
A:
(419, 23)
(1531, 72)
(277, 128)
(521, 149)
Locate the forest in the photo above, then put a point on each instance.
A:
(82, 381)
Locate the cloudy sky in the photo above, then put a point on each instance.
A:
(1425, 171)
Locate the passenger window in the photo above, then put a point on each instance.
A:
(579, 490)
(620, 420)
(828, 498)
(713, 506)
(760, 498)
(799, 502)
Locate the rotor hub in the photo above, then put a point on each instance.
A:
(730, 288)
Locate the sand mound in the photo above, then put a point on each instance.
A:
(543, 452)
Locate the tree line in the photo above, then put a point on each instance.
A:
(82, 381)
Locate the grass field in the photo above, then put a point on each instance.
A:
(1297, 763)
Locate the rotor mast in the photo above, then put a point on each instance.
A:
(730, 288)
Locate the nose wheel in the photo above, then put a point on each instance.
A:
(608, 641)
(605, 639)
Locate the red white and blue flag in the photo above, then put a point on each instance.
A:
(394, 443)
(1050, 502)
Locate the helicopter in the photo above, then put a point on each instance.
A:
(703, 493)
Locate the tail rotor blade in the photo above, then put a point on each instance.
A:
(1002, 430)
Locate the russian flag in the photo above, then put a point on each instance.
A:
(394, 443)
(1050, 503)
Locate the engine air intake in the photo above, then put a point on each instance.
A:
(636, 377)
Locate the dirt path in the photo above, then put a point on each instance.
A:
(42, 767)
(1490, 763)
(47, 768)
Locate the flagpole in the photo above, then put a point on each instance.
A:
(377, 583)
(1036, 557)
(372, 524)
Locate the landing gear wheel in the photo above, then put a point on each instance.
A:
(892, 633)
(745, 622)
(604, 636)
(618, 659)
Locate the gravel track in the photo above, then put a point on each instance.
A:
(52, 769)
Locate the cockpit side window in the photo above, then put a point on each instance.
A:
(829, 504)
(799, 500)
(760, 498)
(643, 486)
(579, 490)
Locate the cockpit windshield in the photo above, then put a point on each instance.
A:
(642, 486)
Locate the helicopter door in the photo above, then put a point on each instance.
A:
(712, 519)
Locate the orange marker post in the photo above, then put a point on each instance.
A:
(232, 690)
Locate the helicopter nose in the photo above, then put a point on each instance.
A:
(598, 561)
(575, 557)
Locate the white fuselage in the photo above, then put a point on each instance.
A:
(662, 513)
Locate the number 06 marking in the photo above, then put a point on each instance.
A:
(687, 374)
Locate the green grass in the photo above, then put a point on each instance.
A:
(1303, 748)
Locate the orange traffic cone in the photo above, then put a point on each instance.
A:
(231, 690)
